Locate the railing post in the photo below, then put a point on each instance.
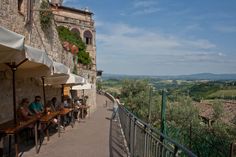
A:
(233, 149)
(176, 151)
(163, 115)
(134, 135)
(145, 141)
(130, 135)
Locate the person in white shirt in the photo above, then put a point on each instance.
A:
(115, 108)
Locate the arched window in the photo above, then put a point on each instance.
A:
(88, 37)
(76, 31)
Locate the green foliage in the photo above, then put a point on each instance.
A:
(184, 124)
(218, 110)
(84, 58)
(99, 85)
(136, 95)
(46, 15)
(201, 91)
(223, 94)
(66, 35)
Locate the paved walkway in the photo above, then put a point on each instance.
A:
(92, 138)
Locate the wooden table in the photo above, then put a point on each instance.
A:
(66, 111)
(46, 119)
(11, 129)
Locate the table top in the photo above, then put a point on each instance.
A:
(10, 127)
(47, 117)
(65, 111)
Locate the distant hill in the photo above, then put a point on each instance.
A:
(200, 76)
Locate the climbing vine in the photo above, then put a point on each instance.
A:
(71, 41)
(46, 15)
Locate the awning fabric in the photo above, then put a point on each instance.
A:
(75, 79)
(11, 44)
(69, 79)
(62, 75)
(82, 87)
(59, 68)
(11, 39)
(37, 63)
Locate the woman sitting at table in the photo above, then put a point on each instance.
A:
(24, 113)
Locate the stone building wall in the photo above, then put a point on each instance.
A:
(25, 88)
(82, 21)
(15, 20)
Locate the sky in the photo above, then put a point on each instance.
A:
(163, 37)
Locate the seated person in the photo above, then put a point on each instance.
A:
(76, 107)
(23, 112)
(50, 108)
(36, 107)
(68, 103)
(54, 105)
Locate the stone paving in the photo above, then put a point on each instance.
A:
(97, 136)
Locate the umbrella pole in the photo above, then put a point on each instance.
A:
(62, 93)
(83, 97)
(13, 68)
(44, 96)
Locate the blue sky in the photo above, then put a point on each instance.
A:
(164, 37)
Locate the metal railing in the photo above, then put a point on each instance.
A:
(145, 141)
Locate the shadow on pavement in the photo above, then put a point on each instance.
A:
(116, 140)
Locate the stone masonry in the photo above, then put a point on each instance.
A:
(14, 15)
(82, 22)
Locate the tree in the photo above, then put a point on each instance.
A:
(135, 95)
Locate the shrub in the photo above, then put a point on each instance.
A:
(66, 35)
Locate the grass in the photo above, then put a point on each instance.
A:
(223, 93)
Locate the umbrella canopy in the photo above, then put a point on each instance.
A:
(65, 79)
(24, 60)
(36, 64)
(59, 68)
(61, 75)
(10, 44)
(81, 87)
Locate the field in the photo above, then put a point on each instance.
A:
(226, 93)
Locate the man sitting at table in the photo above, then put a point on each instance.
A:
(36, 107)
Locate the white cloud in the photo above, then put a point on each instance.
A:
(146, 11)
(137, 40)
(122, 47)
(144, 3)
(143, 7)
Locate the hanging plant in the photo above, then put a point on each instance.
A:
(46, 15)
(73, 43)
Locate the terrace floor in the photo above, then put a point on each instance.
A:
(97, 136)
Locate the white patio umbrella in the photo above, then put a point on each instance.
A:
(62, 76)
(65, 79)
(82, 87)
(27, 61)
